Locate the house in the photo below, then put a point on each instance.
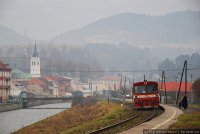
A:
(54, 86)
(55, 90)
(4, 82)
(106, 83)
(172, 90)
(38, 86)
(62, 84)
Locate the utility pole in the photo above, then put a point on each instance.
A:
(185, 77)
(124, 91)
(120, 86)
(90, 85)
(184, 68)
(125, 85)
(114, 90)
(96, 91)
(163, 81)
(132, 89)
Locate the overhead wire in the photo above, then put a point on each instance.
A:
(150, 70)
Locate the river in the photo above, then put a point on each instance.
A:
(13, 120)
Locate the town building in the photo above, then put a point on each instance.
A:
(38, 86)
(105, 83)
(172, 91)
(4, 82)
(35, 64)
(59, 86)
(55, 90)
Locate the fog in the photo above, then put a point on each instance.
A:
(110, 37)
(42, 20)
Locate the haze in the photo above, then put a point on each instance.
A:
(42, 20)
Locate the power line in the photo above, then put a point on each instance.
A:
(151, 70)
(113, 71)
(194, 65)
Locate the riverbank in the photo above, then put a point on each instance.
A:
(80, 119)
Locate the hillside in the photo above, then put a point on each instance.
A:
(178, 27)
(10, 37)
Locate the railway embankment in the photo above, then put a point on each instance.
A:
(82, 118)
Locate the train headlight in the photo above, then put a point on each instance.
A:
(155, 95)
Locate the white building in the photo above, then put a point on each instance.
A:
(35, 64)
(55, 90)
(106, 83)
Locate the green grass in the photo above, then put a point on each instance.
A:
(187, 121)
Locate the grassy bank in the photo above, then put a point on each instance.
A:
(79, 119)
(189, 120)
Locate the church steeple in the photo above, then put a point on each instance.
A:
(35, 64)
(35, 53)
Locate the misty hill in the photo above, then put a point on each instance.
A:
(178, 27)
(9, 36)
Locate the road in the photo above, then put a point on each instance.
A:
(13, 120)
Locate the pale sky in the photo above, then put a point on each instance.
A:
(43, 19)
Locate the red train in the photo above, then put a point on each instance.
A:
(145, 94)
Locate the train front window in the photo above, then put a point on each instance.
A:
(146, 89)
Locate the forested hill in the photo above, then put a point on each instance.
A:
(174, 67)
(178, 27)
(10, 37)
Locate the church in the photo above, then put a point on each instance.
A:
(35, 64)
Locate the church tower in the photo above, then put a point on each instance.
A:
(35, 64)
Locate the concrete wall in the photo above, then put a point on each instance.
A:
(28, 103)
(9, 106)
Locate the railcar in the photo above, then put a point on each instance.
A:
(145, 94)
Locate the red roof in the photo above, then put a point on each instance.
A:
(174, 86)
(4, 66)
(54, 78)
(36, 81)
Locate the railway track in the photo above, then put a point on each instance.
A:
(141, 117)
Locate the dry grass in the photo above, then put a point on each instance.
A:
(190, 119)
(70, 119)
(187, 121)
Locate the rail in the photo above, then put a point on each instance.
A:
(140, 113)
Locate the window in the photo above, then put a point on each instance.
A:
(33, 63)
(146, 89)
